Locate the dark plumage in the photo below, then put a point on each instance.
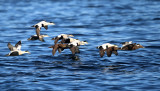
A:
(133, 46)
(35, 37)
(61, 47)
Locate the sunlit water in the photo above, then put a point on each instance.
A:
(96, 21)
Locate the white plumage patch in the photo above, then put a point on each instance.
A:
(107, 44)
(75, 43)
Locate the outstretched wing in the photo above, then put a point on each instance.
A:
(101, 52)
(41, 39)
(115, 52)
(73, 49)
(18, 45)
(109, 52)
(56, 40)
(59, 50)
(54, 49)
(77, 49)
(38, 31)
(46, 27)
(10, 46)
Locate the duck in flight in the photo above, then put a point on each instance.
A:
(16, 50)
(62, 37)
(42, 24)
(131, 46)
(61, 47)
(40, 37)
(38, 28)
(73, 46)
(108, 48)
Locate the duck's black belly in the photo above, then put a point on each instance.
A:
(14, 54)
(34, 38)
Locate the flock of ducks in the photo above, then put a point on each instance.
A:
(66, 41)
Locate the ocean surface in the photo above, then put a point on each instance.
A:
(97, 22)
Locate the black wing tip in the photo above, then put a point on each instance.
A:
(19, 42)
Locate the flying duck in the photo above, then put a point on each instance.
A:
(73, 46)
(16, 50)
(38, 28)
(132, 46)
(61, 37)
(42, 24)
(109, 48)
(76, 43)
(61, 47)
(35, 37)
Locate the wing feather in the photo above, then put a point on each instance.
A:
(18, 45)
(56, 40)
(54, 49)
(109, 52)
(73, 49)
(101, 52)
(46, 27)
(38, 31)
(10, 46)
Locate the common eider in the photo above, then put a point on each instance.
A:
(132, 46)
(38, 28)
(42, 24)
(76, 43)
(35, 37)
(16, 50)
(61, 47)
(73, 46)
(62, 37)
(109, 48)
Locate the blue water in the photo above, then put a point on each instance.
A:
(98, 22)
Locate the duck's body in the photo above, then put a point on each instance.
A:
(16, 50)
(68, 40)
(17, 53)
(126, 43)
(62, 37)
(61, 47)
(42, 24)
(133, 46)
(75, 45)
(66, 43)
(35, 37)
(109, 48)
(77, 42)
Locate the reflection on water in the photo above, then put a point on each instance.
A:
(97, 22)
